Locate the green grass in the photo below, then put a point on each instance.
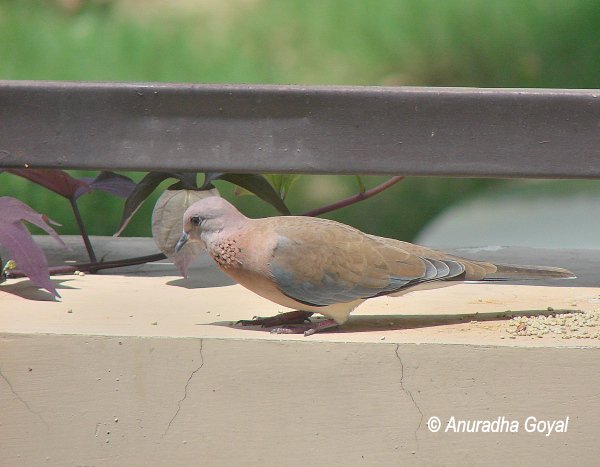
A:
(543, 43)
(526, 43)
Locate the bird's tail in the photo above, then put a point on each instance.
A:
(512, 271)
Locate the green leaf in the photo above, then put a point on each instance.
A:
(282, 183)
(256, 184)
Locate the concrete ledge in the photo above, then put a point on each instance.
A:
(136, 369)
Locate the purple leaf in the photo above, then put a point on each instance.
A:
(29, 257)
(58, 181)
(12, 210)
(19, 243)
(109, 182)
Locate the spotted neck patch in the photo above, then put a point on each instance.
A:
(226, 253)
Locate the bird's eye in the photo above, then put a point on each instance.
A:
(195, 220)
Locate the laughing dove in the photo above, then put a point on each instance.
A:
(319, 265)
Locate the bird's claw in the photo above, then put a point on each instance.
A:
(255, 321)
(291, 322)
(306, 329)
(290, 317)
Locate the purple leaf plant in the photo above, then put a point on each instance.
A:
(17, 240)
(63, 184)
(31, 262)
(60, 182)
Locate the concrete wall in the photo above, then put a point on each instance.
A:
(145, 368)
(93, 400)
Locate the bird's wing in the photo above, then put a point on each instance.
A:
(320, 262)
(473, 270)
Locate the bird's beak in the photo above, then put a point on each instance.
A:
(182, 241)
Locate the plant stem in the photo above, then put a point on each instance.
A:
(83, 232)
(95, 266)
(119, 263)
(355, 198)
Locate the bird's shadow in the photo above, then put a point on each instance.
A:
(202, 282)
(29, 291)
(370, 323)
(203, 277)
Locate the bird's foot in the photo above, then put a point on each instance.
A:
(289, 317)
(308, 329)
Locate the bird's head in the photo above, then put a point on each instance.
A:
(207, 217)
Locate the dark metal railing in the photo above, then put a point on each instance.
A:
(338, 130)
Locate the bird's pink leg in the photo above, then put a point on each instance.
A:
(307, 328)
(289, 317)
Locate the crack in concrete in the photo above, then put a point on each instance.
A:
(185, 389)
(23, 401)
(409, 393)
